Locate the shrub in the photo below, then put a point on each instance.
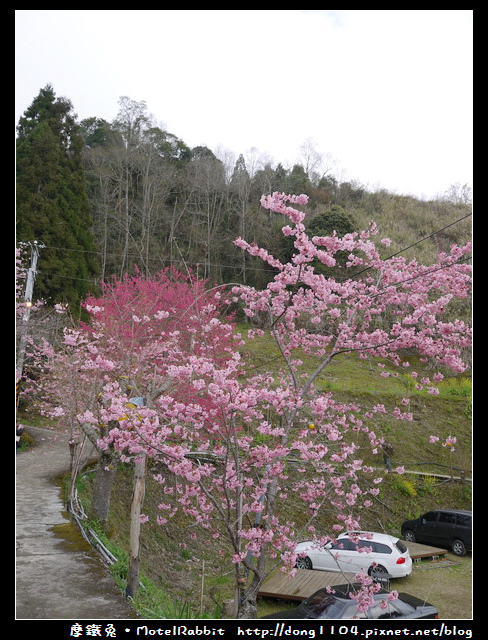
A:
(404, 486)
(427, 484)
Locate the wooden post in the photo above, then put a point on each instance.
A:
(135, 526)
(202, 587)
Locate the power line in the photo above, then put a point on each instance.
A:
(429, 271)
(229, 266)
(417, 242)
(430, 235)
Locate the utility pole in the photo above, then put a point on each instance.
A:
(29, 288)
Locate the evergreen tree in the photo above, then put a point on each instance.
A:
(98, 132)
(52, 203)
(298, 180)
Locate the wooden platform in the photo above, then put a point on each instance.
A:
(418, 551)
(305, 582)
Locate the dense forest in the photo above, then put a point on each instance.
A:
(108, 198)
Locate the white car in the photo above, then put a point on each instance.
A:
(376, 554)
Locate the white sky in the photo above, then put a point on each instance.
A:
(386, 94)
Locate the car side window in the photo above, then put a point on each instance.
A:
(376, 547)
(430, 516)
(366, 544)
(463, 520)
(449, 518)
(343, 545)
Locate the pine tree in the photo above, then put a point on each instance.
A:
(52, 203)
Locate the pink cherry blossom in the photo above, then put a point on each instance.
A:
(236, 442)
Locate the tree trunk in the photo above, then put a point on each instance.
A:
(247, 610)
(103, 486)
(135, 526)
(247, 607)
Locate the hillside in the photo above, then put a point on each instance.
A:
(184, 576)
(155, 202)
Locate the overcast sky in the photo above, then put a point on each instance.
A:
(385, 96)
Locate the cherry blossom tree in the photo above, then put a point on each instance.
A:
(244, 442)
(236, 444)
(138, 329)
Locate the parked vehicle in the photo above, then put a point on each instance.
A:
(377, 554)
(338, 605)
(446, 528)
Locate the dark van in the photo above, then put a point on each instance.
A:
(446, 528)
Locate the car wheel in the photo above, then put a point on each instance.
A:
(409, 536)
(458, 548)
(377, 571)
(303, 563)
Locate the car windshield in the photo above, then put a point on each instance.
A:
(321, 605)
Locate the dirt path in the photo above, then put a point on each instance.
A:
(58, 575)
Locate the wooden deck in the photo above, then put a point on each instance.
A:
(419, 551)
(302, 585)
(305, 582)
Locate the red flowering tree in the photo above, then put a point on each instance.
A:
(115, 367)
